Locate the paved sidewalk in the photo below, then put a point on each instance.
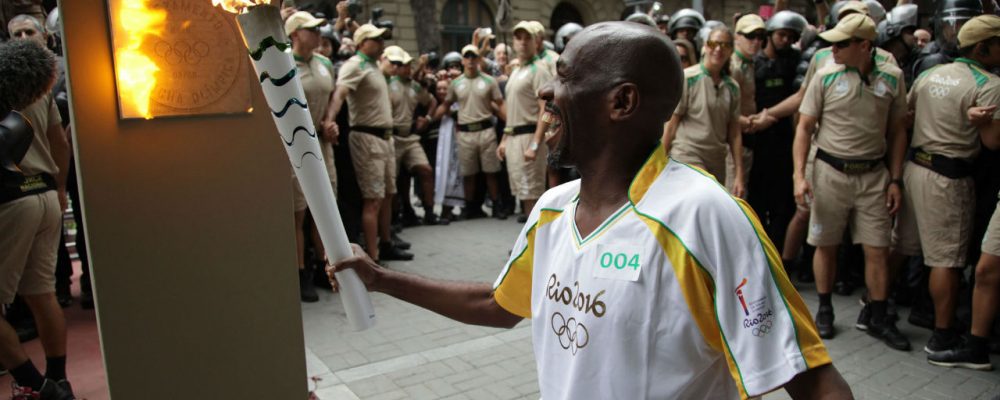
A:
(412, 353)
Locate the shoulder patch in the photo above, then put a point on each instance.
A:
(324, 60)
(830, 73)
(822, 53)
(980, 75)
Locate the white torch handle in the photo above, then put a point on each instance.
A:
(266, 40)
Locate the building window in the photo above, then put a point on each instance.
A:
(459, 18)
(565, 13)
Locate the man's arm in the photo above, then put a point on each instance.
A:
(59, 149)
(500, 109)
(823, 382)
(990, 134)
(470, 303)
(540, 128)
(339, 96)
(670, 131)
(800, 152)
(736, 148)
(897, 153)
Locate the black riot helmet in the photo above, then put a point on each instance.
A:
(565, 33)
(904, 15)
(949, 18)
(786, 19)
(686, 18)
(451, 59)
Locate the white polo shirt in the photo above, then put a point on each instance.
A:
(679, 294)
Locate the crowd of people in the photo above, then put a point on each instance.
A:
(861, 139)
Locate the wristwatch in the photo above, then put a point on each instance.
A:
(897, 181)
(533, 146)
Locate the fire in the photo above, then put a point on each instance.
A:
(136, 71)
(238, 6)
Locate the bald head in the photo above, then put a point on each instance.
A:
(613, 53)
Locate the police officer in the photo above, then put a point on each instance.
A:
(523, 142)
(685, 24)
(316, 74)
(750, 34)
(405, 95)
(478, 97)
(851, 184)
(895, 35)
(936, 219)
(948, 21)
(768, 115)
(546, 55)
(362, 84)
(774, 81)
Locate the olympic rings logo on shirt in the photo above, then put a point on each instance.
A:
(572, 334)
(182, 51)
(762, 329)
(938, 92)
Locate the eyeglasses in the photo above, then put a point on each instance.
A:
(396, 63)
(470, 55)
(713, 44)
(843, 44)
(755, 36)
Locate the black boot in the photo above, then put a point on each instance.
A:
(306, 289)
(388, 252)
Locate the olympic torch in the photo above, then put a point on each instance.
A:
(265, 38)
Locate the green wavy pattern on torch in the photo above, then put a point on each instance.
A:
(265, 44)
(279, 81)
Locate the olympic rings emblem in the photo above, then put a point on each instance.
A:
(572, 334)
(938, 91)
(182, 51)
(763, 329)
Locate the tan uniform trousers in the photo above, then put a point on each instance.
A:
(374, 161)
(527, 178)
(477, 151)
(991, 241)
(936, 218)
(844, 200)
(409, 152)
(30, 229)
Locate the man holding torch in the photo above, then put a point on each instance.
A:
(645, 270)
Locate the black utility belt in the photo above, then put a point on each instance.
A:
(476, 126)
(521, 129)
(382, 133)
(14, 186)
(954, 168)
(849, 166)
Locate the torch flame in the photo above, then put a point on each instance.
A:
(238, 6)
(136, 71)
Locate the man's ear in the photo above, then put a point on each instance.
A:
(624, 100)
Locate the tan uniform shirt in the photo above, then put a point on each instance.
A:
(474, 97)
(824, 58)
(522, 93)
(42, 114)
(404, 97)
(940, 98)
(317, 82)
(742, 70)
(852, 115)
(368, 101)
(705, 109)
(549, 58)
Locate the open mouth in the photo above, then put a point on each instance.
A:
(552, 116)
